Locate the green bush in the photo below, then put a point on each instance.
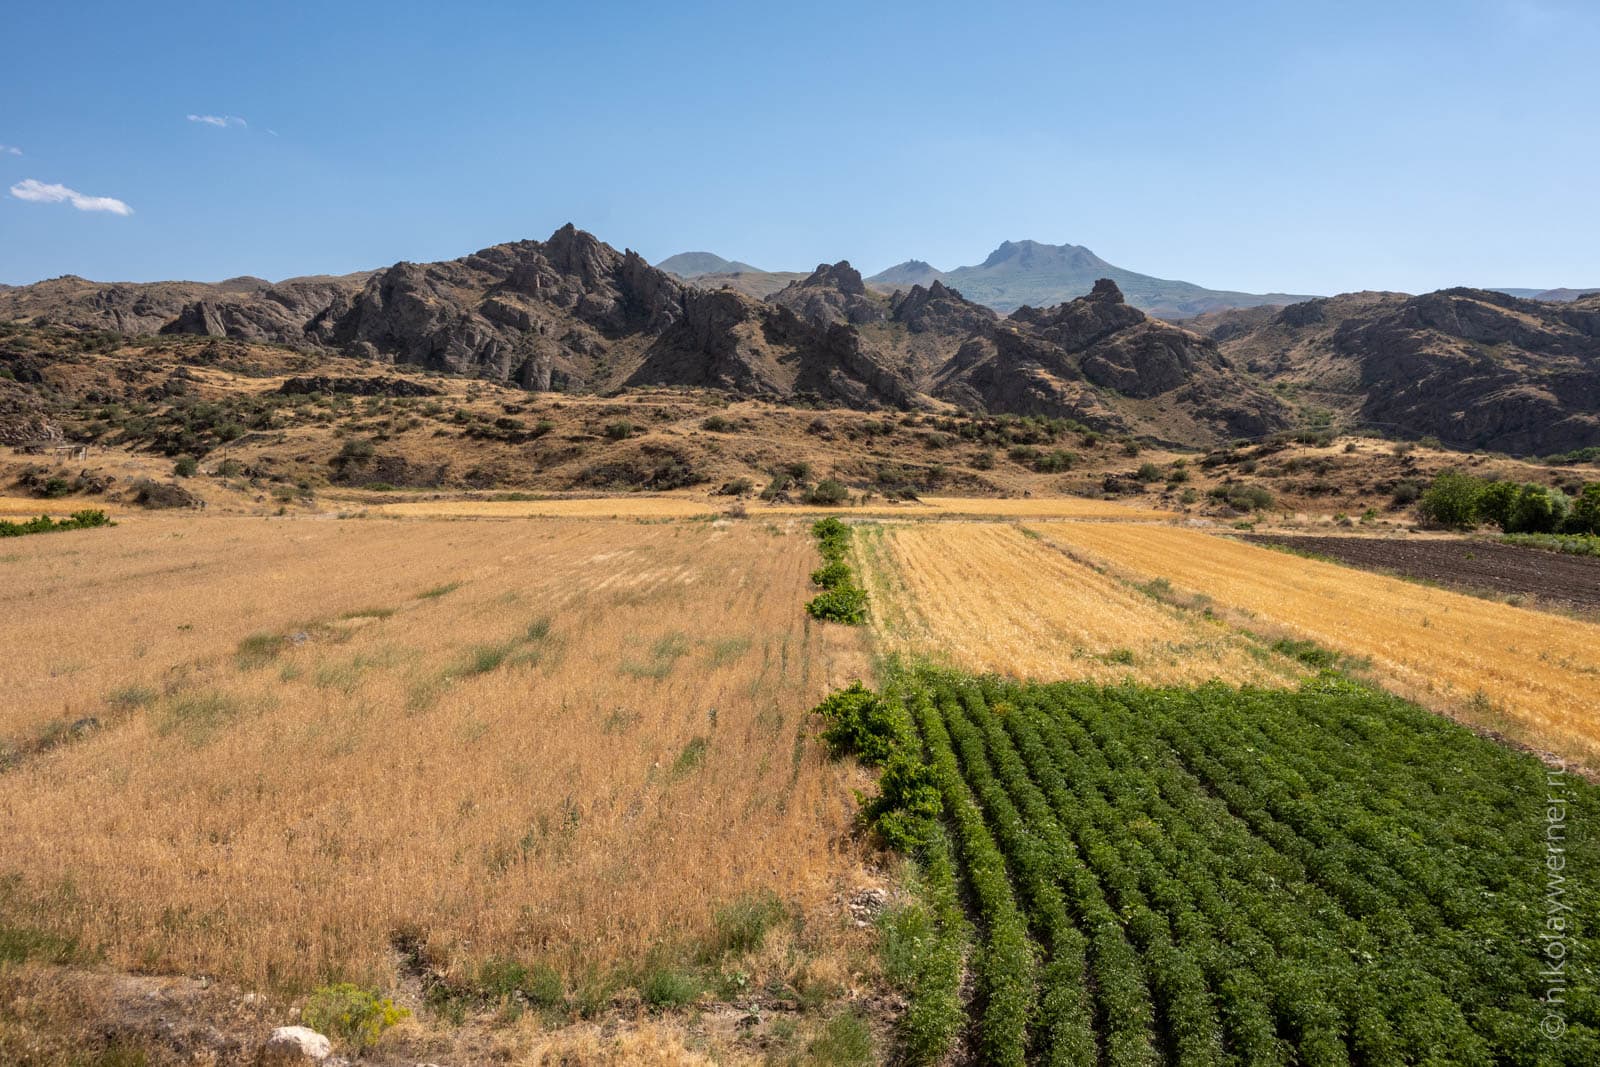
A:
(186, 467)
(828, 493)
(1242, 497)
(351, 1014)
(832, 575)
(1055, 461)
(860, 723)
(80, 520)
(845, 603)
(667, 987)
(1452, 500)
(1584, 517)
(1537, 510)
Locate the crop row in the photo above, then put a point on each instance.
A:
(1218, 875)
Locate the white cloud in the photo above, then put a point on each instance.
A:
(41, 193)
(10, 150)
(223, 121)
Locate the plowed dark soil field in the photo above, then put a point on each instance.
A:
(1477, 566)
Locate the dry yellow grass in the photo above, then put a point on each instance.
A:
(1040, 507)
(29, 507)
(1531, 675)
(606, 507)
(576, 753)
(642, 506)
(986, 597)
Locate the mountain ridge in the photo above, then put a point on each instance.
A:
(1031, 273)
(574, 314)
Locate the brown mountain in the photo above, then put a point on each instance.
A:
(1101, 360)
(1472, 367)
(1475, 368)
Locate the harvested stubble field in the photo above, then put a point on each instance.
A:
(986, 597)
(1526, 674)
(1474, 565)
(565, 744)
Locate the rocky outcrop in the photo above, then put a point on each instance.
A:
(1479, 369)
(306, 385)
(723, 340)
(832, 293)
(938, 309)
(1474, 368)
(1062, 361)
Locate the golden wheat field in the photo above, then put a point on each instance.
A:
(987, 597)
(1530, 675)
(561, 742)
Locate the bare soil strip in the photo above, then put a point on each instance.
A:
(1476, 566)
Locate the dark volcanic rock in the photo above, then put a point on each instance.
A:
(830, 294)
(1051, 361)
(938, 309)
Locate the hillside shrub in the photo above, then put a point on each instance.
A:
(827, 493)
(1243, 497)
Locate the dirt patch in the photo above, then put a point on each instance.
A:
(1474, 566)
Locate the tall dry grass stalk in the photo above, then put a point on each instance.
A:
(563, 742)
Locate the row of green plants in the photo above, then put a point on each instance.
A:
(842, 599)
(78, 520)
(1571, 544)
(1322, 876)
(1462, 501)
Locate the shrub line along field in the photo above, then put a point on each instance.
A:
(1571, 580)
(1324, 875)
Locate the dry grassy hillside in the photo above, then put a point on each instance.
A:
(272, 428)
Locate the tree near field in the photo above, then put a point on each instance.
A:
(1584, 517)
(1538, 510)
(1452, 500)
(1496, 500)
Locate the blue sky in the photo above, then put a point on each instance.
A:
(1307, 147)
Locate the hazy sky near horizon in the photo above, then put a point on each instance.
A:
(1311, 147)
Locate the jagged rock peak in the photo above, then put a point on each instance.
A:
(841, 276)
(1106, 290)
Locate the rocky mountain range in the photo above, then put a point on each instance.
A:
(1015, 274)
(1030, 273)
(1475, 368)
(572, 313)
